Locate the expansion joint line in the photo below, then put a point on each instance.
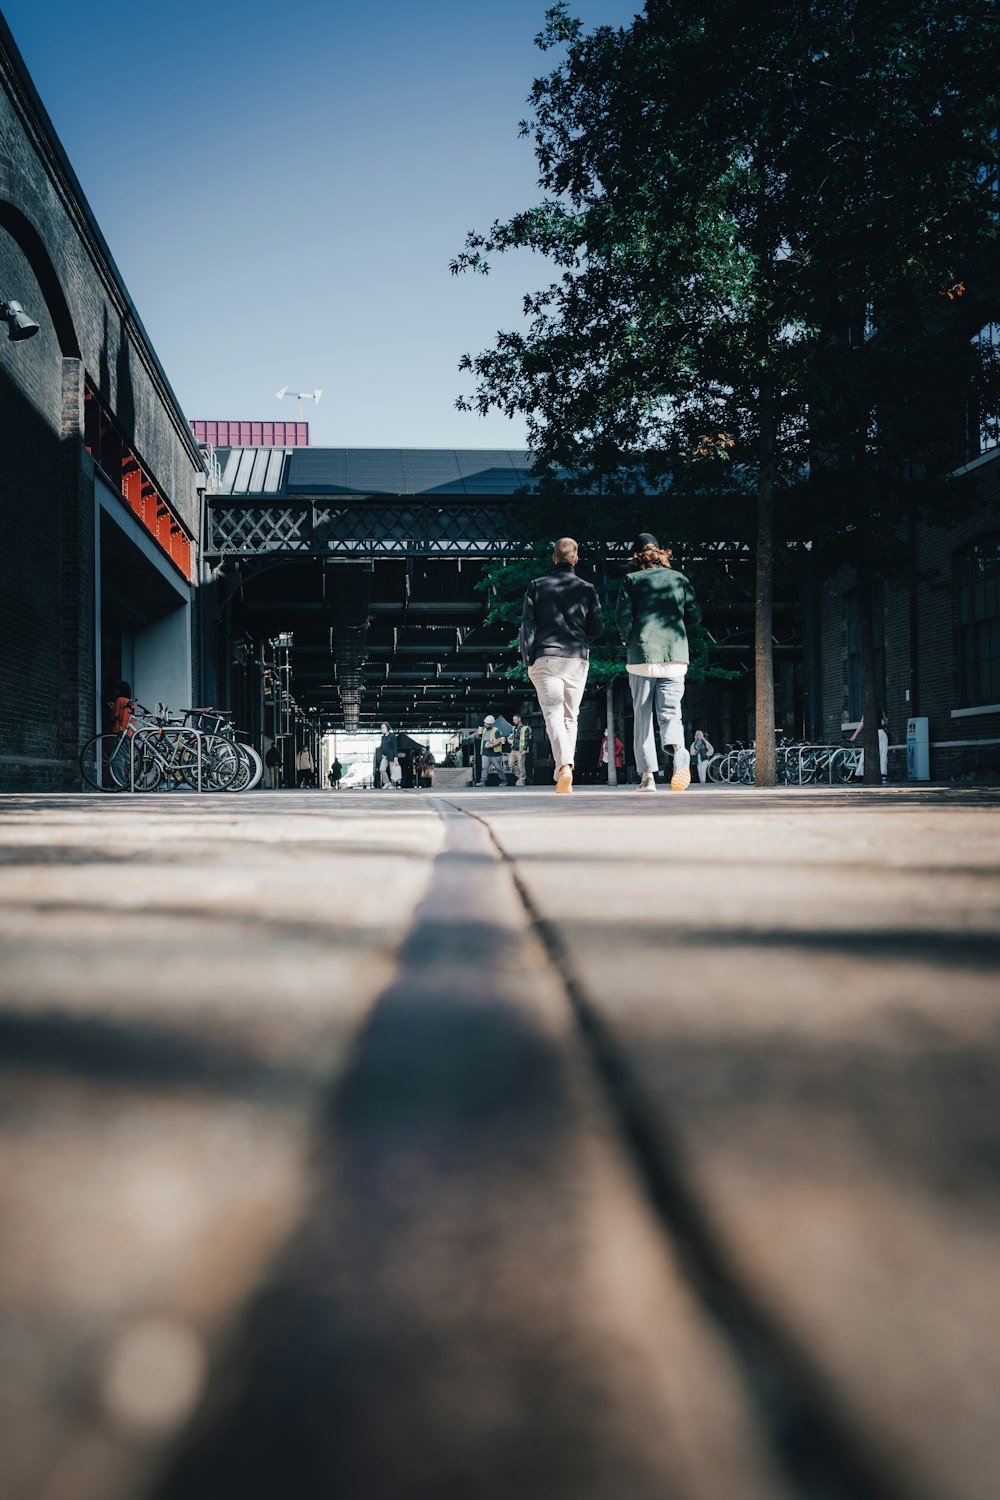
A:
(814, 1441)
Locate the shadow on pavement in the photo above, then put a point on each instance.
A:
(426, 1336)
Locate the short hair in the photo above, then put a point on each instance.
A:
(565, 549)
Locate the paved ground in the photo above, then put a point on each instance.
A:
(389, 1147)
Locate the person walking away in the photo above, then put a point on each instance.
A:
(701, 753)
(492, 752)
(384, 756)
(273, 762)
(602, 759)
(883, 746)
(520, 744)
(335, 773)
(656, 609)
(560, 618)
(428, 768)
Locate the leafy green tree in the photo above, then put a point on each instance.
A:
(722, 185)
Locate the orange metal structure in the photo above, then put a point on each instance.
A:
(124, 471)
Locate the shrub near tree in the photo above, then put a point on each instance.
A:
(723, 187)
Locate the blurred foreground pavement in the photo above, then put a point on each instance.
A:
(499, 1146)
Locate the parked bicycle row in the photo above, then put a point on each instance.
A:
(797, 764)
(192, 751)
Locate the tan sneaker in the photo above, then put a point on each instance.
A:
(564, 781)
(648, 782)
(681, 779)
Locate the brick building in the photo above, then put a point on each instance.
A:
(101, 479)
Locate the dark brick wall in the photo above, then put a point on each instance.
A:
(31, 558)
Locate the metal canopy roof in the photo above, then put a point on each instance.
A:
(372, 471)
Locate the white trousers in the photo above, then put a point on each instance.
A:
(559, 682)
(703, 771)
(384, 774)
(883, 756)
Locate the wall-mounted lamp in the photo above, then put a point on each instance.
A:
(19, 325)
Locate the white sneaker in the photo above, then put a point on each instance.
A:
(648, 782)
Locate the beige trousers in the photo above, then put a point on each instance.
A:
(559, 682)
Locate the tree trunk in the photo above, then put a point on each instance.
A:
(870, 705)
(763, 612)
(612, 768)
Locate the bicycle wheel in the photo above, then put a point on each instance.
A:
(714, 768)
(842, 764)
(258, 768)
(220, 763)
(146, 771)
(250, 769)
(96, 759)
(170, 752)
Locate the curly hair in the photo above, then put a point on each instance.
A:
(652, 557)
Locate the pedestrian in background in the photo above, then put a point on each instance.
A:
(602, 759)
(560, 618)
(384, 757)
(701, 753)
(121, 717)
(272, 761)
(335, 773)
(304, 767)
(656, 608)
(492, 751)
(883, 746)
(520, 744)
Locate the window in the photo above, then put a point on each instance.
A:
(984, 423)
(852, 630)
(977, 572)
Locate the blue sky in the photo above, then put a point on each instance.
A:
(284, 186)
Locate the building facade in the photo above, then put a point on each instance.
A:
(937, 642)
(101, 485)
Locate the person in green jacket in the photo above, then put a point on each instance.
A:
(656, 608)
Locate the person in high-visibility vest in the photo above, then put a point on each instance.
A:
(492, 753)
(520, 744)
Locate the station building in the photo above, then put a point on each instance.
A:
(305, 587)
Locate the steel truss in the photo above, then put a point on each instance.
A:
(362, 527)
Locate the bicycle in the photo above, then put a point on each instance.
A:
(156, 751)
(219, 722)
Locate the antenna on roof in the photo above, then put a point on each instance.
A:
(300, 396)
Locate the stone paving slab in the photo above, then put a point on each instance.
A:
(804, 989)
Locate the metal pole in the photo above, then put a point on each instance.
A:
(612, 758)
